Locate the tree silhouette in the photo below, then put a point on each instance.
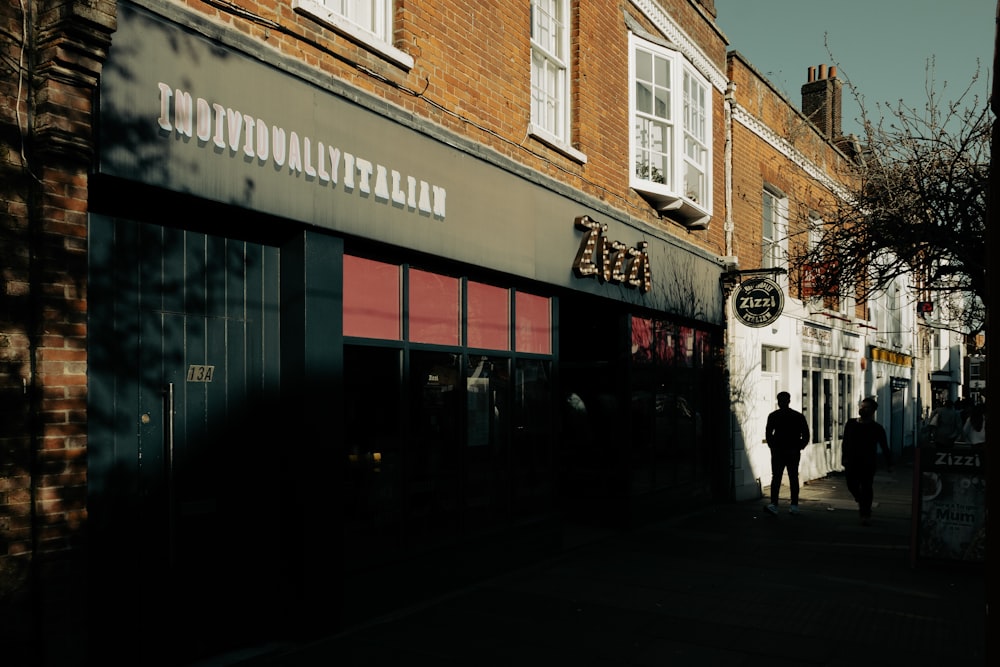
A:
(917, 208)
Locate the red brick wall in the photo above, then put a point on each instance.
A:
(43, 361)
(472, 75)
(15, 367)
(757, 163)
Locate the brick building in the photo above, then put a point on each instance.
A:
(791, 169)
(789, 166)
(359, 302)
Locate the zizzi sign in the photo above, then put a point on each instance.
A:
(611, 261)
(758, 302)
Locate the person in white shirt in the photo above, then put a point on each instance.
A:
(974, 429)
(946, 424)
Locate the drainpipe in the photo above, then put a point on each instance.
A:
(728, 224)
(727, 227)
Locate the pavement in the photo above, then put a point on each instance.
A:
(725, 584)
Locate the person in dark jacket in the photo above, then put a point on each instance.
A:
(863, 437)
(787, 434)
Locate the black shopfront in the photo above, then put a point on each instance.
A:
(340, 361)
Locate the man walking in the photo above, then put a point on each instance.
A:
(787, 434)
(862, 439)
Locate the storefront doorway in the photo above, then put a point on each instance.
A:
(183, 442)
(827, 402)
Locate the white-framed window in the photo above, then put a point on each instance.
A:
(774, 217)
(894, 313)
(814, 235)
(696, 127)
(772, 360)
(815, 231)
(366, 22)
(670, 106)
(551, 111)
(772, 376)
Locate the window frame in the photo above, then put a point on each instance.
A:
(817, 226)
(772, 361)
(407, 291)
(557, 54)
(689, 124)
(378, 40)
(774, 248)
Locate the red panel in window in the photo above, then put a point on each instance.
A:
(488, 317)
(642, 340)
(434, 308)
(534, 324)
(686, 347)
(371, 299)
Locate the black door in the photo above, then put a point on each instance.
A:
(183, 452)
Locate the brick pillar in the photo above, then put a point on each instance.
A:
(47, 148)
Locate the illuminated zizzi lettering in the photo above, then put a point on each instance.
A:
(234, 133)
(611, 261)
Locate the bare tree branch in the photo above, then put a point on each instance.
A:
(917, 209)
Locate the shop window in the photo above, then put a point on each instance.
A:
(531, 457)
(488, 317)
(642, 340)
(433, 439)
(366, 22)
(654, 341)
(371, 299)
(488, 415)
(534, 324)
(667, 402)
(462, 439)
(685, 350)
(371, 440)
(670, 105)
(845, 389)
(433, 308)
(703, 349)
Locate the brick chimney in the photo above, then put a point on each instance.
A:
(821, 100)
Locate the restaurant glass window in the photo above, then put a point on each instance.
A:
(488, 316)
(433, 453)
(371, 437)
(531, 458)
(463, 438)
(487, 451)
(372, 298)
(534, 324)
(434, 314)
(647, 444)
(668, 387)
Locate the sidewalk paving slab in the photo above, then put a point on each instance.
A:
(726, 584)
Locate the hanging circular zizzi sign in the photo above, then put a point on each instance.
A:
(758, 302)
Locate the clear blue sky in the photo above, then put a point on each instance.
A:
(881, 46)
